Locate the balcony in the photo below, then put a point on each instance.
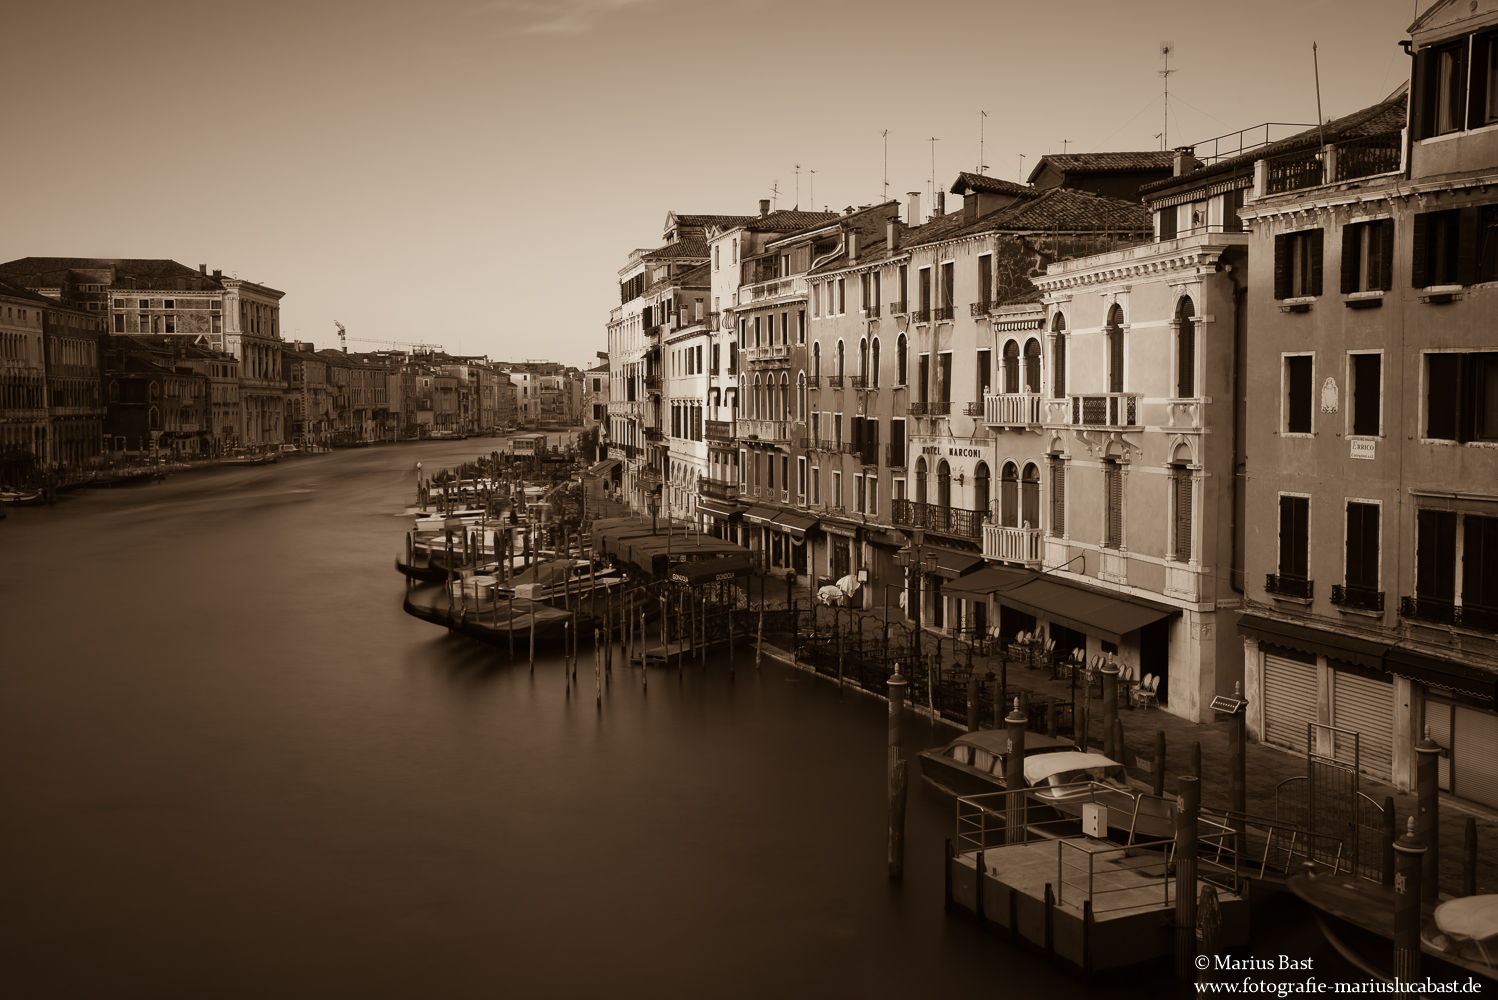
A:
(1114, 409)
(718, 489)
(779, 288)
(981, 308)
(858, 381)
(777, 431)
(1357, 598)
(916, 408)
(813, 381)
(653, 384)
(719, 430)
(1366, 156)
(954, 522)
(1439, 612)
(654, 434)
(868, 456)
(942, 314)
(894, 456)
(1012, 409)
(938, 407)
(872, 311)
(1281, 585)
(1015, 545)
(972, 409)
(834, 381)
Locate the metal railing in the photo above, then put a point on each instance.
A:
(1245, 140)
(957, 522)
(718, 430)
(858, 381)
(765, 430)
(1360, 598)
(834, 381)
(1382, 153)
(1114, 409)
(938, 407)
(653, 384)
(872, 311)
(718, 489)
(1289, 586)
(941, 313)
(1011, 409)
(916, 408)
(1449, 613)
(981, 307)
(920, 315)
(972, 409)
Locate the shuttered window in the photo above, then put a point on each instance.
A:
(1475, 755)
(1297, 264)
(1115, 350)
(1058, 361)
(1058, 497)
(1362, 546)
(1444, 247)
(1368, 256)
(1298, 391)
(1480, 562)
(1112, 505)
(1435, 555)
(1295, 537)
(1180, 502)
(1367, 385)
(1186, 351)
(1461, 396)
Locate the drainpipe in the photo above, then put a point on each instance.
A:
(1235, 569)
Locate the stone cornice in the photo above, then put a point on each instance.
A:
(1193, 261)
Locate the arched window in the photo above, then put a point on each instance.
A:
(1032, 365)
(1114, 332)
(801, 402)
(784, 413)
(839, 358)
(755, 403)
(1029, 495)
(943, 485)
(816, 360)
(1011, 367)
(114, 392)
(874, 364)
(902, 355)
(1186, 350)
(920, 480)
(1058, 357)
(981, 489)
(863, 359)
(1009, 496)
(155, 417)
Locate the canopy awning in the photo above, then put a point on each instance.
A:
(950, 563)
(1437, 672)
(725, 567)
(602, 468)
(719, 508)
(1106, 616)
(981, 584)
(1352, 649)
(792, 522)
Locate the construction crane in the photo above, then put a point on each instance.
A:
(344, 338)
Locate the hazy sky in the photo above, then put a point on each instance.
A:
(474, 172)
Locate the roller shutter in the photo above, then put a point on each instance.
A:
(1475, 755)
(1289, 701)
(1366, 706)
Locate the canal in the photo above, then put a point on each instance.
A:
(230, 766)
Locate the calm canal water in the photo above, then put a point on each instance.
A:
(232, 767)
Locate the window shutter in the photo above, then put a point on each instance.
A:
(1298, 407)
(1351, 257)
(1302, 537)
(1058, 368)
(1419, 251)
(1186, 361)
(1468, 229)
(1442, 385)
(1115, 359)
(1480, 562)
(1115, 506)
(1282, 266)
(1477, 104)
(1384, 232)
(1435, 555)
(1287, 535)
(1315, 240)
(1058, 497)
(1370, 547)
(1423, 105)
(1183, 484)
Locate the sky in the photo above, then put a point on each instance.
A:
(473, 173)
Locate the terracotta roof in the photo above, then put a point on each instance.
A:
(22, 292)
(690, 247)
(148, 270)
(1105, 163)
(714, 220)
(1059, 209)
(790, 220)
(1386, 116)
(979, 183)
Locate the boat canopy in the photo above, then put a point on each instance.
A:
(996, 741)
(1090, 766)
(548, 573)
(724, 567)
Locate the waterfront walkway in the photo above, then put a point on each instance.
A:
(1267, 766)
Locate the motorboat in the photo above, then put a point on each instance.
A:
(1068, 781)
(561, 579)
(974, 763)
(22, 498)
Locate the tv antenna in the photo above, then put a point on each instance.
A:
(775, 195)
(885, 133)
(934, 141)
(798, 186)
(981, 165)
(812, 197)
(1021, 168)
(1064, 144)
(1167, 49)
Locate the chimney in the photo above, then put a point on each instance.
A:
(853, 246)
(1184, 162)
(764, 207)
(217, 274)
(892, 235)
(202, 268)
(941, 203)
(914, 216)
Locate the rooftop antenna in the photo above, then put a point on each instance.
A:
(798, 186)
(934, 141)
(1160, 136)
(812, 197)
(1064, 144)
(775, 195)
(1022, 168)
(981, 165)
(885, 133)
(1320, 126)
(1166, 49)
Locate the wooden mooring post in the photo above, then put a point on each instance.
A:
(1428, 816)
(1158, 773)
(895, 768)
(759, 638)
(1014, 775)
(1408, 891)
(1188, 805)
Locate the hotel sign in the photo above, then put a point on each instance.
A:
(932, 449)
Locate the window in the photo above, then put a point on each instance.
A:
(1011, 367)
(1368, 256)
(1166, 220)
(858, 494)
(1366, 378)
(982, 489)
(816, 484)
(1030, 496)
(785, 328)
(902, 355)
(863, 288)
(1441, 81)
(837, 489)
(1461, 396)
(985, 280)
(1112, 504)
(874, 364)
(1297, 264)
(1437, 256)
(904, 287)
(816, 299)
(1298, 390)
(923, 304)
(923, 377)
(1115, 336)
(1181, 486)
(1362, 549)
(1058, 357)
(119, 322)
(800, 326)
(1480, 571)
(1295, 540)
(717, 257)
(842, 296)
(1435, 556)
(1032, 366)
(948, 285)
(1186, 350)
(985, 373)
(897, 443)
(944, 377)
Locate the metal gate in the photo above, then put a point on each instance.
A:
(1326, 800)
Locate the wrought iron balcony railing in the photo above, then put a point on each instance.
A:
(955, 522)
(834, 381)
(718, 430)
(938, 407)
(1113, 409)
(1358, 598)
(872, 311)
(916, 408)
(718, 489)
(1429, 609)
(858, 381)
(920, 315)
(981, 307)
(1289, 586)
(972, 409)
(941, 313)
